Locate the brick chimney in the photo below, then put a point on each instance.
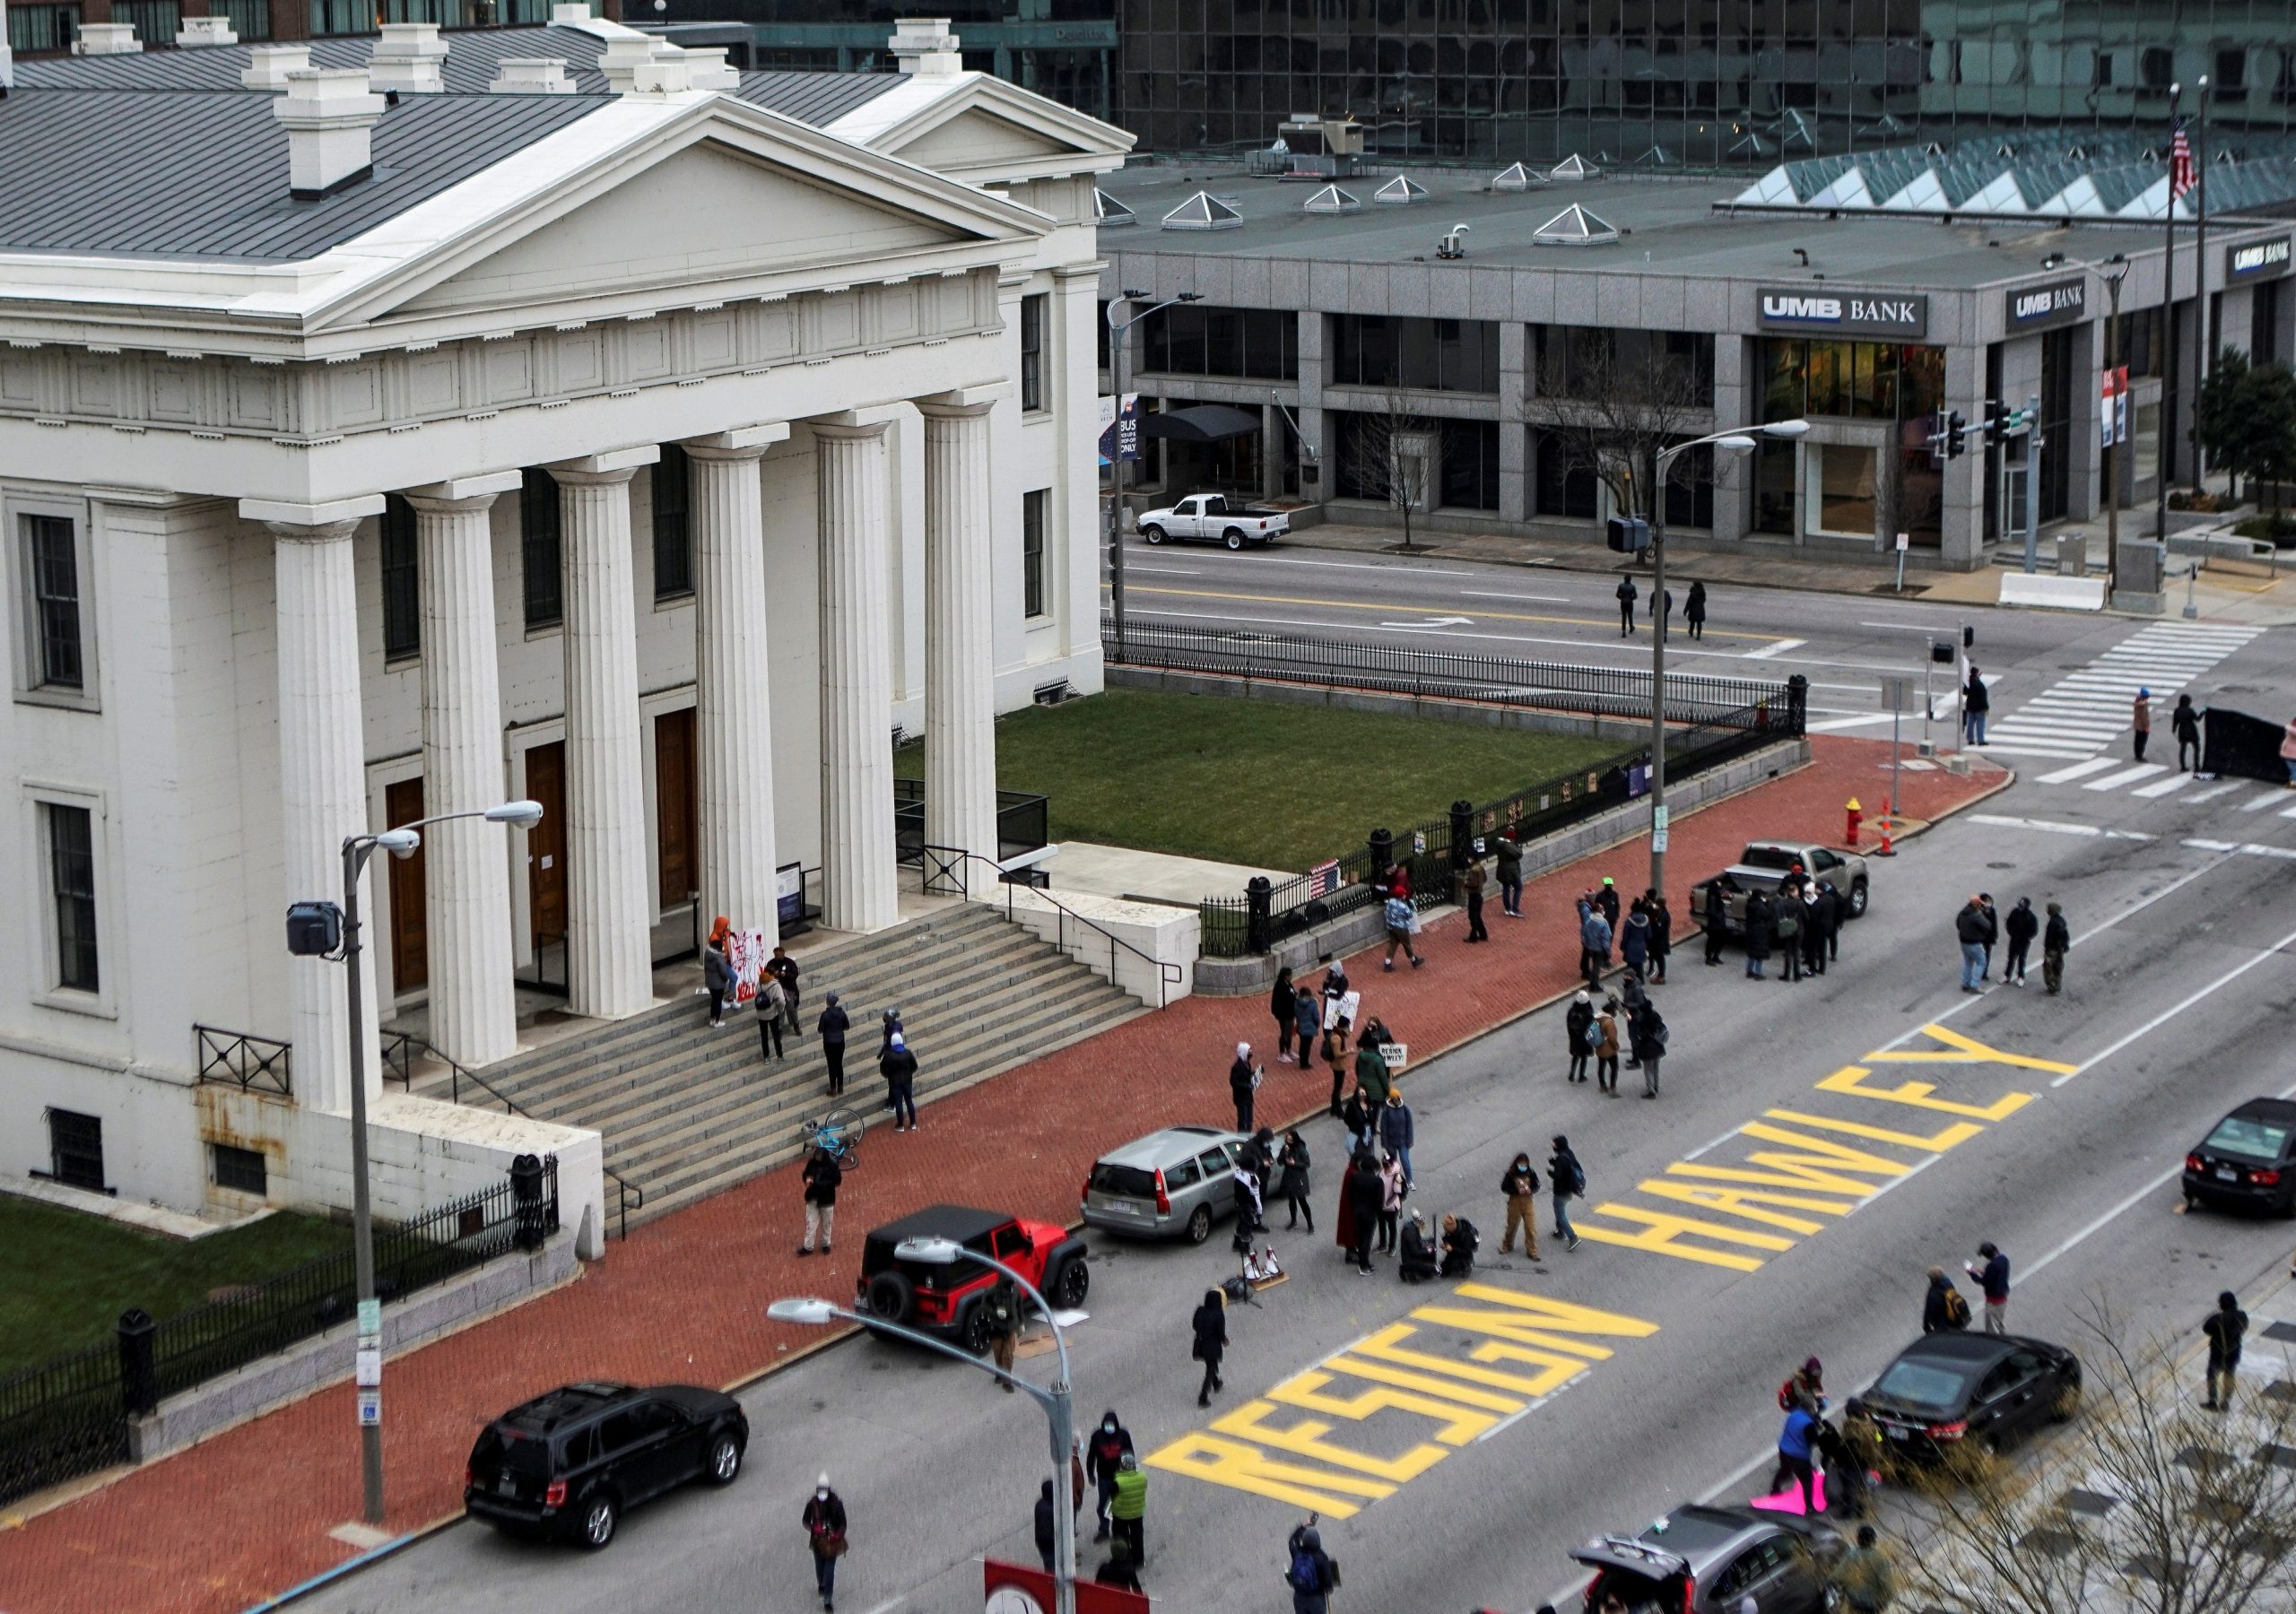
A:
(408, 58)
(330, 114)
(107, 39)
(925, 46)
(272, 64)
(531, 75)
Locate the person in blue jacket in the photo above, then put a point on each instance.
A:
(1794, 1449)
(1395, 1132)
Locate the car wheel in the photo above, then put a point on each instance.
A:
(1233, 538)
(972, 1332)
(600, 1515)
(891, 1297)
(1199, 1225)
(1857, 899)
(724, 1459)
(1151, 535)
(1072, 1284)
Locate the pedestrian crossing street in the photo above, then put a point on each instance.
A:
(2086, 711)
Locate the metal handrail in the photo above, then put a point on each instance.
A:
(398, 1058)
(944, 863)
(255, 1063)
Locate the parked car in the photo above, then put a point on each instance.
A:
(1763, 867)
(1214, 518)
(946, 1300)
(566, 1466)
(1708, 1560)
(1951, 1389)
(2248, 1160)
(1172, 1183)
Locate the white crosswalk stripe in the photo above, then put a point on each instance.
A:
(2272, 799)
(2087, 710)
(2168, 786)
(2079, 770)
(2127, 775)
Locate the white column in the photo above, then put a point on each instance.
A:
(322, 774)
(609, 947)
(733, 719)
(466, 883)
(960, 631)
(857, 857)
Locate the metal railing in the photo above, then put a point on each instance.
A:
(60, 1419)
(400, 1050)
(258, 1064)
(1433, 675)
(1024, 821)
(944, 869)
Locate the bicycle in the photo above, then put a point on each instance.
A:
(838, 1134)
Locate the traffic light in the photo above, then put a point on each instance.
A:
(1996, 424)
(1955, 425)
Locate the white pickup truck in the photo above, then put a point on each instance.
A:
(1214, 518)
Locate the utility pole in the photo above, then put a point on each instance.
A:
(2168, 337)
(2201, 336)
(2032, 482)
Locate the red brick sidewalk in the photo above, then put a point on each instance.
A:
(684, 1298)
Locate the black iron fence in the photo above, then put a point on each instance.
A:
(69, 1416)
(1435, 674)
(1024, 821)
(253, 1063)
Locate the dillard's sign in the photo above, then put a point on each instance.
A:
(1822, 310)
(2056, 303)
(2259, 260)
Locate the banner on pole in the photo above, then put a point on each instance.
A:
(1119, 437)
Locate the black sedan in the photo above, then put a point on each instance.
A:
(566, 1466)
(2249, 1161)
(1947, 1390)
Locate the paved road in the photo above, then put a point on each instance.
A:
(1593, 1390)
(1841, 643)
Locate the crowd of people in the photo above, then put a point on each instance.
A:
(1979, 928)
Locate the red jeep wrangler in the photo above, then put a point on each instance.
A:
(946, 1300)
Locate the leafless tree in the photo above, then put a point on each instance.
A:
(1381, 450)
(1609, 407)
(2146, 1504)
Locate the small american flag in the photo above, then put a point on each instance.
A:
(2182, 176)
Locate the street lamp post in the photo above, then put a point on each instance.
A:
(1119, 339)
(2112, 271)
(402, 841)
(1057, 1403)
(1728, 442)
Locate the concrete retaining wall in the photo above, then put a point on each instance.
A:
(1254, 974)
(326, 1359)
(1167, 934)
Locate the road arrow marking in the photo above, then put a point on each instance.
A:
(1434, 622)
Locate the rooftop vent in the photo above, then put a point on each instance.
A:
(1516, 177)
(272, 64)
(407, 60)
(924, 45)
(709, 70)
(330, 114)
(1111, 214)
(570, 13)
(1202, 211)
(669, 71)
(531, 75)
(1400, 191)
(1574, 226)
(107, 39)
(1573, 167)
(1331, 199)
(622, 58)
(195, 33)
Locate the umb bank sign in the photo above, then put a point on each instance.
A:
(1825, 311)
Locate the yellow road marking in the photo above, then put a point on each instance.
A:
(1849, 1079)
(1449, 1389)
(1306, 1438)
(1966, 1050)
(1741, 1203)
(1244, 1467)
(1456, 1425)
(1491, 616)
(1666, 1233)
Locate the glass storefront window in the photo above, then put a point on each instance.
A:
(1852, 381)
(1774, 486)
(1839, 490)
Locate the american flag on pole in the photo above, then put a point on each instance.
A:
(2182, 176)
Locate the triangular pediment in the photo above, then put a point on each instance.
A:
(707, 210)
(978, 138)
(983, 130)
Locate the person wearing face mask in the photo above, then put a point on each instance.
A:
(1108, 1446)
(824, 1523)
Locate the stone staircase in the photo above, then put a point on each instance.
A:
(686, 1112)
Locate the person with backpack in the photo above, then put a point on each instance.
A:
(2225, 1327)
(898, 1068)
(1519, 1187)
(2056, 940)
(1510, 875)
(1108, 1446)
(1606, 1048)
(1312, 1573)
(1757, 933)
(1634, 938)
(821, 1176)
(1944, 1306)
(1580, 1035)
(772, 1005)
(1566, 1180)
(1307, 1019)
(1398, 1132)
(1786, 926)
(1401, 919)
(1129, 1511)
(1003, 1310)
(831, 1027)
(1627, 594)
(1594, 943)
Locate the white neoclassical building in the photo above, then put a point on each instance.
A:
(391, 428)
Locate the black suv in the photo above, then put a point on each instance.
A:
(565, 1465)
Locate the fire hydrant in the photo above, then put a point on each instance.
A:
(1856, 817)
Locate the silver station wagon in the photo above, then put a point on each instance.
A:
(1172, 1183)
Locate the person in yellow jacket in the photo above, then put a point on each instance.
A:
(1130, 1509)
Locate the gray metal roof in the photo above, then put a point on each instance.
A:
(203, 174)
(474, 57)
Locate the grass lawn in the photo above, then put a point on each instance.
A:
(1254, 782)
(65, 1276)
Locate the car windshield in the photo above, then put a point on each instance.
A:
(1769, 857)
(527, 1456)
(1921, 1383)
(2241, 1134)
(1126, 1182)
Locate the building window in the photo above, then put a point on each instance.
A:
(672, 524)
(32, 28)
(1575, 361)
(402, 586)
(1854, 380)
(72, 889)
(333, 17)
(251, 19)
(539, 550)
(1034, 507)
(1690, 488)
(1423, 355)
(2156, 67)
(1252, 344)
(1032, 318)
(1470, 473)
(52, 575)
(157, 22)
(1102, 341)
(2231, 76)
(75, 1150)
(240, 1170)
(2264, 324)
(1565, 486)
